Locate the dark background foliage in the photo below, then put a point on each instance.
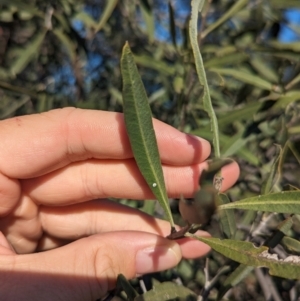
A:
(66, 52)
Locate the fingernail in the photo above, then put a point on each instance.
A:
(199, 139)
(157, 258)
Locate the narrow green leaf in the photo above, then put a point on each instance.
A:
(260, 64)
(282, 202)
(291, 244)
(237, 144)
(172, 24)
(279, 4)
(11, 106)
(86, 19)
(124, 284)
(289, 97)
(245, 77)
(238, 275)
(214, 79)
(235, 8)
(242, 151)
(138, 120)
(246, 253)
(28, 54)
(244, 113)
(67, 42)
(292, 83)
(20, 7)
(167, 291)
(149, 22)
(274, 174)
(17, 89)
(294, 46)
(193, 33)
(109, 7)
(227, 219)
(146, 4)
(150, 62)
(227, 60)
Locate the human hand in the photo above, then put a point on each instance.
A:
(53, 167)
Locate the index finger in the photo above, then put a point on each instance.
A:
(33, 145)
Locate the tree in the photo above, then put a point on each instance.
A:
(63, 53)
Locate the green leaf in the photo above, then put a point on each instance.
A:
(17, 89)
(294, 46)
(238, 275)
(28, 54)
(274, 174)
(86, 19)
(227, 219)
(284, 4)
(227, 60)
(123, 283)
(138, 120)
(149, 22)
(150, 62)
(263, 67)
(167, 291)
(172, 24)
(246, 112)
(246, 253)
(67, 42)
(196, 6)
(245, 77)
(286, 99)
(282, 202)
(109, 7)
(214, 79)
(291, 244)
(21, 7)
(235, 8)
(146, 4)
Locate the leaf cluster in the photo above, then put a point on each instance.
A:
(250, 99)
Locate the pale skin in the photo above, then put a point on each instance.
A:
(56, 171)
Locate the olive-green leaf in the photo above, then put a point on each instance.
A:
(193, 34)
(28, 54)
(234, 9)
(124, 284)
(281, 202)
(291, 244)
(246, 253)
(86, 19)
(109, 8)
(138, 120)
(167, 291)
(227, 219)
(274, 174)
(234, 278)
(67, 42)
(149, 22)
(245, 77)
(172, 24)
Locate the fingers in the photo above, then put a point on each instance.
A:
(110, 178)
(107, 216)
(85, 269)
(230, 174)
(53, 139)
(5, 246)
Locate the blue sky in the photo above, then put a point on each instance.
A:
(93, 66)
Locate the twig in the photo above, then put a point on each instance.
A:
(267, 285)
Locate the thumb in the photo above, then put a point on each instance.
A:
(87, 268)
